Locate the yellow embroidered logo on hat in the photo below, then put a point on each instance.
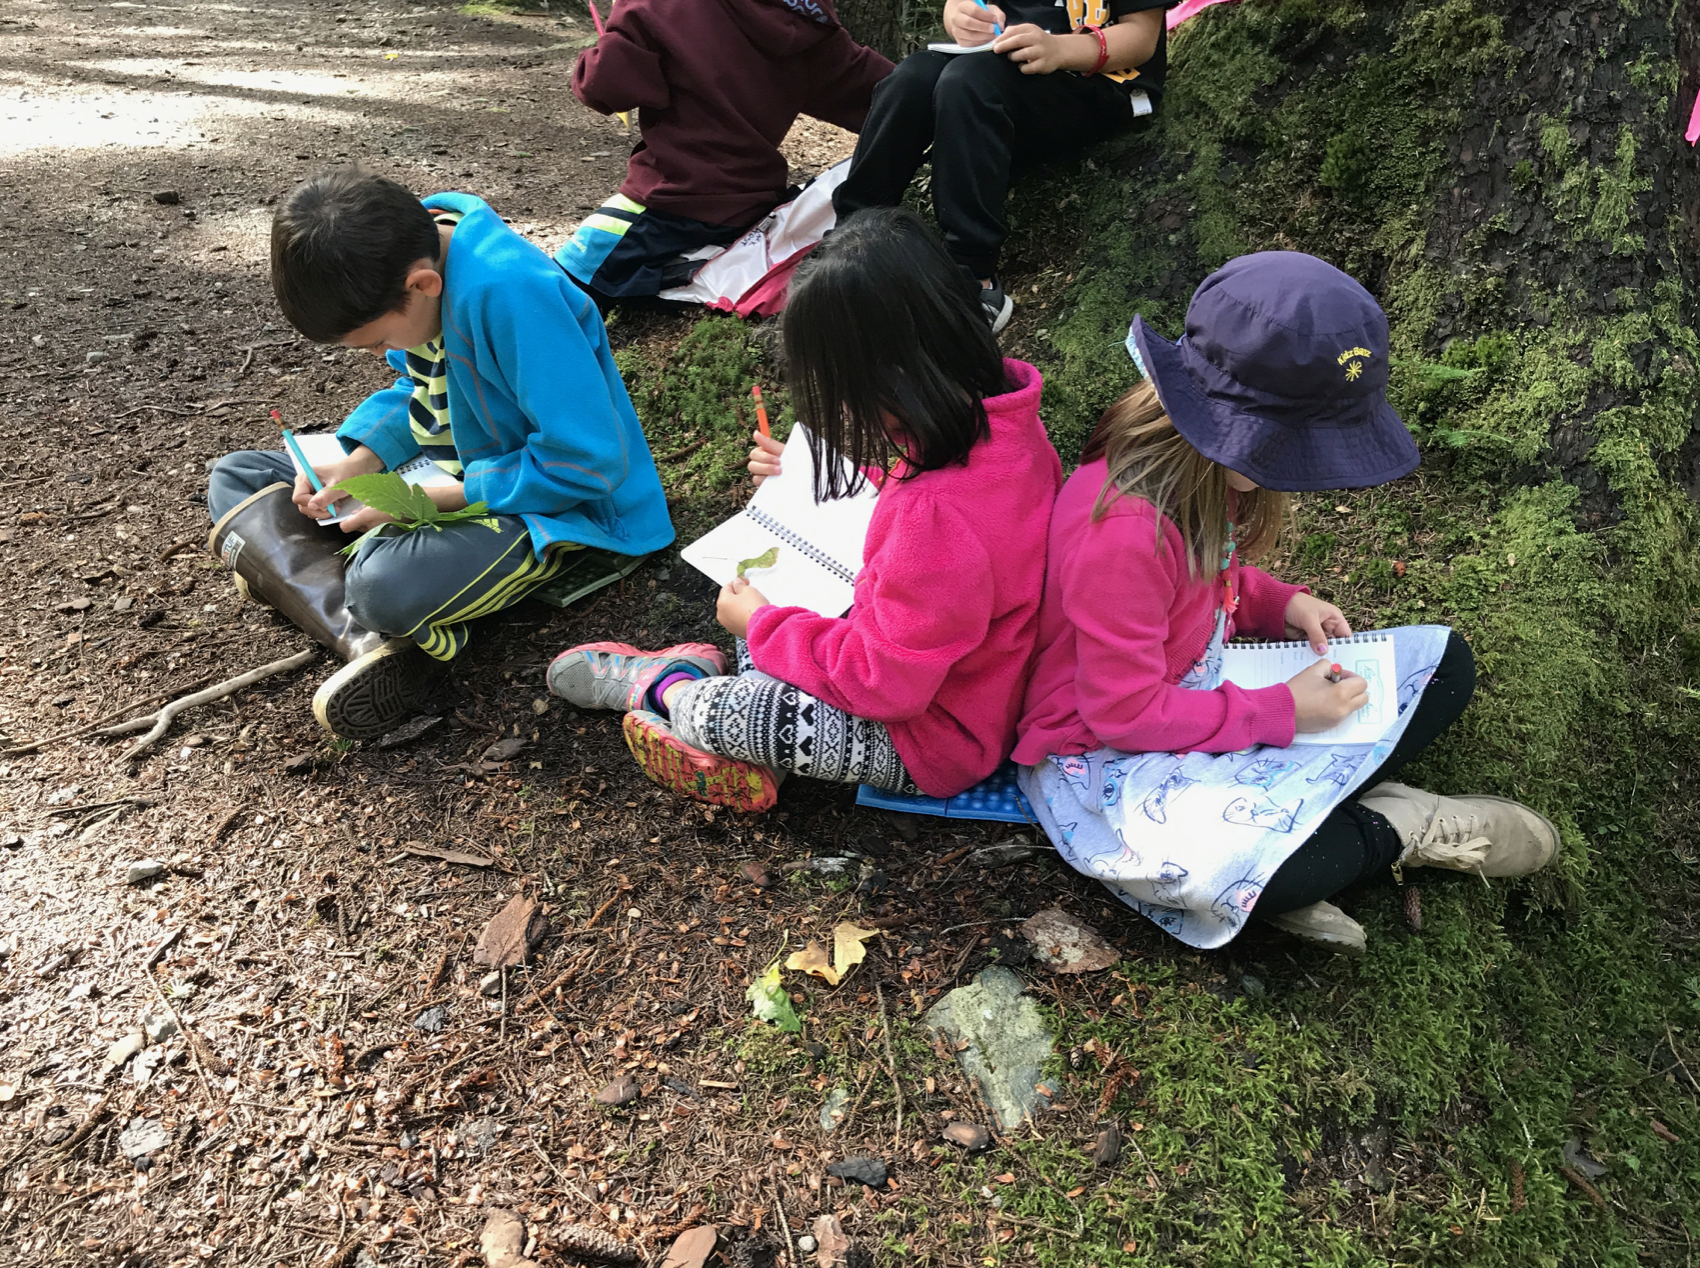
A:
(1356, 366)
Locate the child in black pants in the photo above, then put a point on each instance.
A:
(1058, 78)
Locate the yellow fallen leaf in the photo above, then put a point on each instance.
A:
(847, 953)
(812, 959)
(847, 948)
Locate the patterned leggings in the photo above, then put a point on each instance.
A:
(755, 718)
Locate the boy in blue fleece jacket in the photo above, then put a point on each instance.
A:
(508, 385)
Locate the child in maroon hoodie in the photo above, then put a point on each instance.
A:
(716, 84)
(919, 686)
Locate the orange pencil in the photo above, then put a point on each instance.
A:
(761, 410)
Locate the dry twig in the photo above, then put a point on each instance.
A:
(98, 722)
(891, 1064)
(162, 720)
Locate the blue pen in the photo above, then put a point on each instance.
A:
(996, 29)
(289, 439)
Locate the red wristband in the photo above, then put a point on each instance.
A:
(1103, 48)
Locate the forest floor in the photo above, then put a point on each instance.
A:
(344, 1086)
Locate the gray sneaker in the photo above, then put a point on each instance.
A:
(998, 305)
(1324, 924)
(1490, 836)
(617, 675)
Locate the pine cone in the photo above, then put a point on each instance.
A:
(593, 1243)
(1413, 909)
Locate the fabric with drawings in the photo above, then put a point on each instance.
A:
(1189, 840)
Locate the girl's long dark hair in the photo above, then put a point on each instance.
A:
(881, 320)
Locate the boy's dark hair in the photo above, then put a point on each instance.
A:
(341, 246)
(880, 320)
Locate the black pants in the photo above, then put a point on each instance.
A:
(1355, 844)
(984, 120)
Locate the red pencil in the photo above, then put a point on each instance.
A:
(761, 410)
(596, 17)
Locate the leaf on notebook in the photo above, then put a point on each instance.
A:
(766, 559)
(388, 493)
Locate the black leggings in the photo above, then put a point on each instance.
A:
(1355, 844)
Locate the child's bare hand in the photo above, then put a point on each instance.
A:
(317, 505)
(1309, 618)
(1318, 704)
(970, 25)
(764, 458)
(1032, 48)
(737, 604)
(364, 519)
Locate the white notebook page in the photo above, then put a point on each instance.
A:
(1368, 655)
(820, 543)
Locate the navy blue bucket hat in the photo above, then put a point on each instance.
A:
(1282, 376)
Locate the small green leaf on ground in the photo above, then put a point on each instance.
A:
(771, 1003)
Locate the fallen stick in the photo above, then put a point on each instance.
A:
(89, 726)
(161, 721)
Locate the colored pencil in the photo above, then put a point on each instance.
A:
(761, 410)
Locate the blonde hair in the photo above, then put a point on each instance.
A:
(1149, 459)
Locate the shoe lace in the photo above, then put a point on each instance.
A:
(1454, 841)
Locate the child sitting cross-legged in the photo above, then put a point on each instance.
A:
(918, 686)
(1184, 793)
(507, 385)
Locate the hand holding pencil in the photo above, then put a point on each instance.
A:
(764, 458)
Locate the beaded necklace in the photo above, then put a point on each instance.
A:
(1230, 599)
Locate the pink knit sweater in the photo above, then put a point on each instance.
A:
(947, 603)
(1122, 623)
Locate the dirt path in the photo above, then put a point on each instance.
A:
(307, 952)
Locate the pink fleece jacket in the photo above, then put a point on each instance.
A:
(947, 603)
(1122, 623)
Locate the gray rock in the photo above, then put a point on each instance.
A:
(142, 1137)
(143, 870)
(432, 1020)
(829, 1115)
(806, 1244)
(1006, 1037)
(868, 1171)
(490, 985)
(480, 1134)
(125, 1048)
(158, 1026)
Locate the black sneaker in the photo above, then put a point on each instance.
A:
(998, 306)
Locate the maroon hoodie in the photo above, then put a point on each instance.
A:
(717, 84)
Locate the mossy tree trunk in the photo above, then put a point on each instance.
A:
(881, 24)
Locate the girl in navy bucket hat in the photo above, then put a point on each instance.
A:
(1200, 802)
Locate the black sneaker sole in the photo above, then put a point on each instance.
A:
(998, 318)
(376, 693)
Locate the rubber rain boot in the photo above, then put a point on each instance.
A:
(1490, 836)
(282, 559)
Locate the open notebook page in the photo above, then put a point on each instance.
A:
(1368, 655)
(323, 447)
(819, 543)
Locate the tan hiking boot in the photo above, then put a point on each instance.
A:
(1490, 836)
(1324, 924)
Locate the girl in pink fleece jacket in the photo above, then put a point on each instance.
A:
(1195, 800)
(918, 687)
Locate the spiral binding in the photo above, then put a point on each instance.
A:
(791, 539)
(1367, 636)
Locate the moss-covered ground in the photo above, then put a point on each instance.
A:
(1545, 343)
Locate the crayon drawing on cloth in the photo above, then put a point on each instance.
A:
(1189, 840)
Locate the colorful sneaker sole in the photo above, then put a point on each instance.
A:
(670, 762)
(577, 677)
(374, 694)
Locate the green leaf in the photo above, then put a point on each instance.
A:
(766, 559)
(388, 493)
(772, 1003)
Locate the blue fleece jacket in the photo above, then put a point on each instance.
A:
(539, 414)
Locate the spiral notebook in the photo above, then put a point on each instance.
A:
(819, 543)
(323, 447)
(1368, 655)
